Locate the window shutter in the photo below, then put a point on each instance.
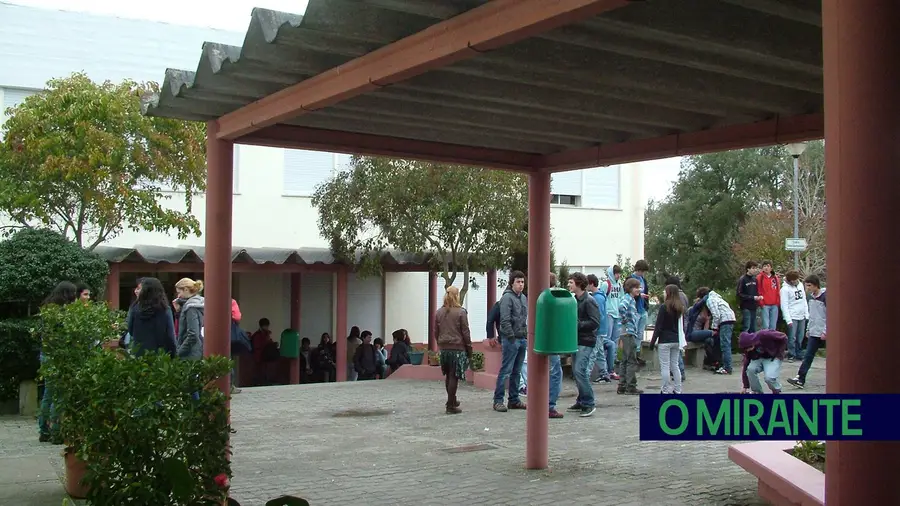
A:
(602, 187)
(566, 183)
(304, 170)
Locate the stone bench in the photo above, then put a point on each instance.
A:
(783, 480)
(694, 355)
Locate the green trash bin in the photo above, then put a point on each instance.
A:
(290, 343)
(556, 323)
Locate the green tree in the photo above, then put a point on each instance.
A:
(465, 216)
(709, 225)
(80, 158)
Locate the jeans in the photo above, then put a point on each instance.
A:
(48, 424)
(748, 323)
(681, 363)
(641, 330)
(769, 317)
(352, 375)
(611, 343)
(523, 375)
(628, 378)
(597, 363)
(512, 358)
(699, 336)
(556, 375)
(811, 348)
(725, 331)
(582, 376)
(668, 354)
(771, 367)
(795, 333)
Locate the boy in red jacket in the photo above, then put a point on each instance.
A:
(768, 286)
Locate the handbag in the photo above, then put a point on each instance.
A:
(240, 343)
(682, 340)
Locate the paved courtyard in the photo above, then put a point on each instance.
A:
(387, 442)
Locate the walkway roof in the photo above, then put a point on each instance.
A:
(520, 84)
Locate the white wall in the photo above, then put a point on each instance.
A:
(263, 295)
(406, 304)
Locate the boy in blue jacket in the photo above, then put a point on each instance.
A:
(598, 365)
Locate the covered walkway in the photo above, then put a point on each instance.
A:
(539, 86)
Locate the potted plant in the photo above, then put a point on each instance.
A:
(71, 337)
(416, 354)
(434, 358)
(477, 362)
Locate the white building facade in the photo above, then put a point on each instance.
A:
(596, 213)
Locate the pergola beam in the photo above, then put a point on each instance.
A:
(762, 133)
(492, 25)
(317, 139)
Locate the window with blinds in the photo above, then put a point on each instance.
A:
(304, 170)
(602, 188)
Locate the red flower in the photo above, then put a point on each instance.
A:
(221, 480)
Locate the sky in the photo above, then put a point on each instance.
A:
(657, 177)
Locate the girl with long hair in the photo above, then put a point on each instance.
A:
(189, 308)
(151, 325)
(48, 421)
(455, 341)
(668, 325)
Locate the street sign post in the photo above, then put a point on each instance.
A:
(795, 244)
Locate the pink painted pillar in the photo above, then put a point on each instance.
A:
(113, 286)
(861, 46)
(432, 309)
(217, 259)
(536, 422)
(491, 291)
(294, 371)
(340, 327)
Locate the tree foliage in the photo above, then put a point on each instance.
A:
(34, 261)
(80, 158)
(730, 207)
(467, 217)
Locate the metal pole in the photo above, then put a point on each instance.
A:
(796, 209)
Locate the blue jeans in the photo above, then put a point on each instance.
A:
(555, 380)
(811, 348)
(612, 342)
(699, 336)
(512, 356)
(597, 363)
(748, 323)
(796, 331)
(583, 376)
(769, 317)
(641, 330)
(725, 331)
(771, 367)
(48, 423)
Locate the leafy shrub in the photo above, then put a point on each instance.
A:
(71, 337)
(477, 362)
(811, 452)
(155, 431)
(19, 350)
(34, 261)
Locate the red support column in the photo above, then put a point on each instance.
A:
(217, 260)
(341, 324)
(432, 309)
(294, 371)
(536, 423)
(113, 286)
(861, 46)
(491, 290)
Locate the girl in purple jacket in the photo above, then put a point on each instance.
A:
(763, 353)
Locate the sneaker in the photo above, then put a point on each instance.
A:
(797, 382)
(500, 408)
(453, 410)
(613, 376)
(235, 390)
(633, 391)
(602, 379)
(722, 370)
(586, 412)
(517, 405)
(620, 390)
(792, 359)
(555, 414)
(575, 407)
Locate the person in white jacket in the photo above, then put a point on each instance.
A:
(795, 311)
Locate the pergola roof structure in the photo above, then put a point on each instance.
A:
(523, 85)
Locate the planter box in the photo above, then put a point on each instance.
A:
(415, 357)
(28, 398)
(784, 480)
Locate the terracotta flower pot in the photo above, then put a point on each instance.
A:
(75, 471)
